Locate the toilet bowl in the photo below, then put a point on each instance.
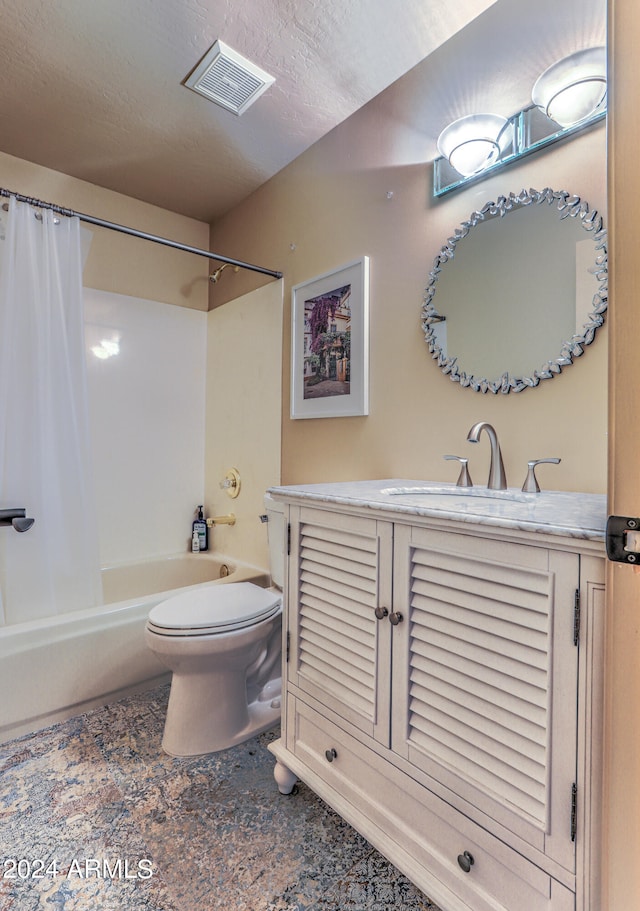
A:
(223, 644)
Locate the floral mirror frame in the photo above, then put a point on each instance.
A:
(568, 206)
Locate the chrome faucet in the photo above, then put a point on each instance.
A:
(497, 477)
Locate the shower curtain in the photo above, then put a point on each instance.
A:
(45, 457)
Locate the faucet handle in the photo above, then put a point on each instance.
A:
(531, 482)
(231, 483)
(464, 478)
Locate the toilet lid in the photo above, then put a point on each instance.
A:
(215, 608)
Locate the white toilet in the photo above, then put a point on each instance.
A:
(223, 644)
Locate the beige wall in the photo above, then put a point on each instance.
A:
(331, 206)
(118, 262)
(622, 725)
(244, 357)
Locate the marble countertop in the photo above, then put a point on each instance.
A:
(554, 512)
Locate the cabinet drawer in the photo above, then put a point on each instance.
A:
(416, 830)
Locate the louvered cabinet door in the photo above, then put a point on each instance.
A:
(339, 649)
(485, 680)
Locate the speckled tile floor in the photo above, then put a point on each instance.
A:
(93, 815)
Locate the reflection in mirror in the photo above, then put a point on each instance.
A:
(526, 295)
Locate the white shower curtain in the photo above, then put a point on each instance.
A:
(45, 463)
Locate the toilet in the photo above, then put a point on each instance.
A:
(223, 644)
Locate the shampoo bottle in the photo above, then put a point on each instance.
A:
(200, 528)
(195, 542)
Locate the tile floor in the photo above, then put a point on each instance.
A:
(93, 815)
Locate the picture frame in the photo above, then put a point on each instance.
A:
(330, 343)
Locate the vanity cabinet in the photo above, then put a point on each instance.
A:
(442, 695)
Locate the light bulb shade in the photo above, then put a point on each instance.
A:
(573, 89)
(472, 144)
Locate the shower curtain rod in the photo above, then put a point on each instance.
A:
(123, 229)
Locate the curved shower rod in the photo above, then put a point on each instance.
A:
(123, 229)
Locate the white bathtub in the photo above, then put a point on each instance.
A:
(54, 668)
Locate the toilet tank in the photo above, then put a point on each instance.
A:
(275, 535)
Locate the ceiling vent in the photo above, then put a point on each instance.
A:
(229, 79)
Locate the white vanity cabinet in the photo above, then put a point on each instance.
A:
(444, 695)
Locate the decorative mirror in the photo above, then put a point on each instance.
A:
(526, 295)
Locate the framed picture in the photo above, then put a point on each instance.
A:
(330, 344)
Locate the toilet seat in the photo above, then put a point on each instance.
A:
(208, 610)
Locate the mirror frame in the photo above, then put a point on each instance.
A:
(568, 206)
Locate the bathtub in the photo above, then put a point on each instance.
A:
(54, 668)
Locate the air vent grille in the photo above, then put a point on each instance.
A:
(228, 79)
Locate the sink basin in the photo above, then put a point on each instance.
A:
(447, 490)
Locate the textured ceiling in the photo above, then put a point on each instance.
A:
(94, 88)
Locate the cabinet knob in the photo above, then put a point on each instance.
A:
(331, 754)
(395, 617)
(381, 612)
(465, 861)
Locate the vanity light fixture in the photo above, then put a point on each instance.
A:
(473, 143)
(574, 88)
(569, 96)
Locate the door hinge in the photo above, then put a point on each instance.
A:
(576, 617)
(288, 539)
(288, 648)
(574, 811)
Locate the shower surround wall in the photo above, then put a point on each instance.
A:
(243, 425)
(147, 414)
